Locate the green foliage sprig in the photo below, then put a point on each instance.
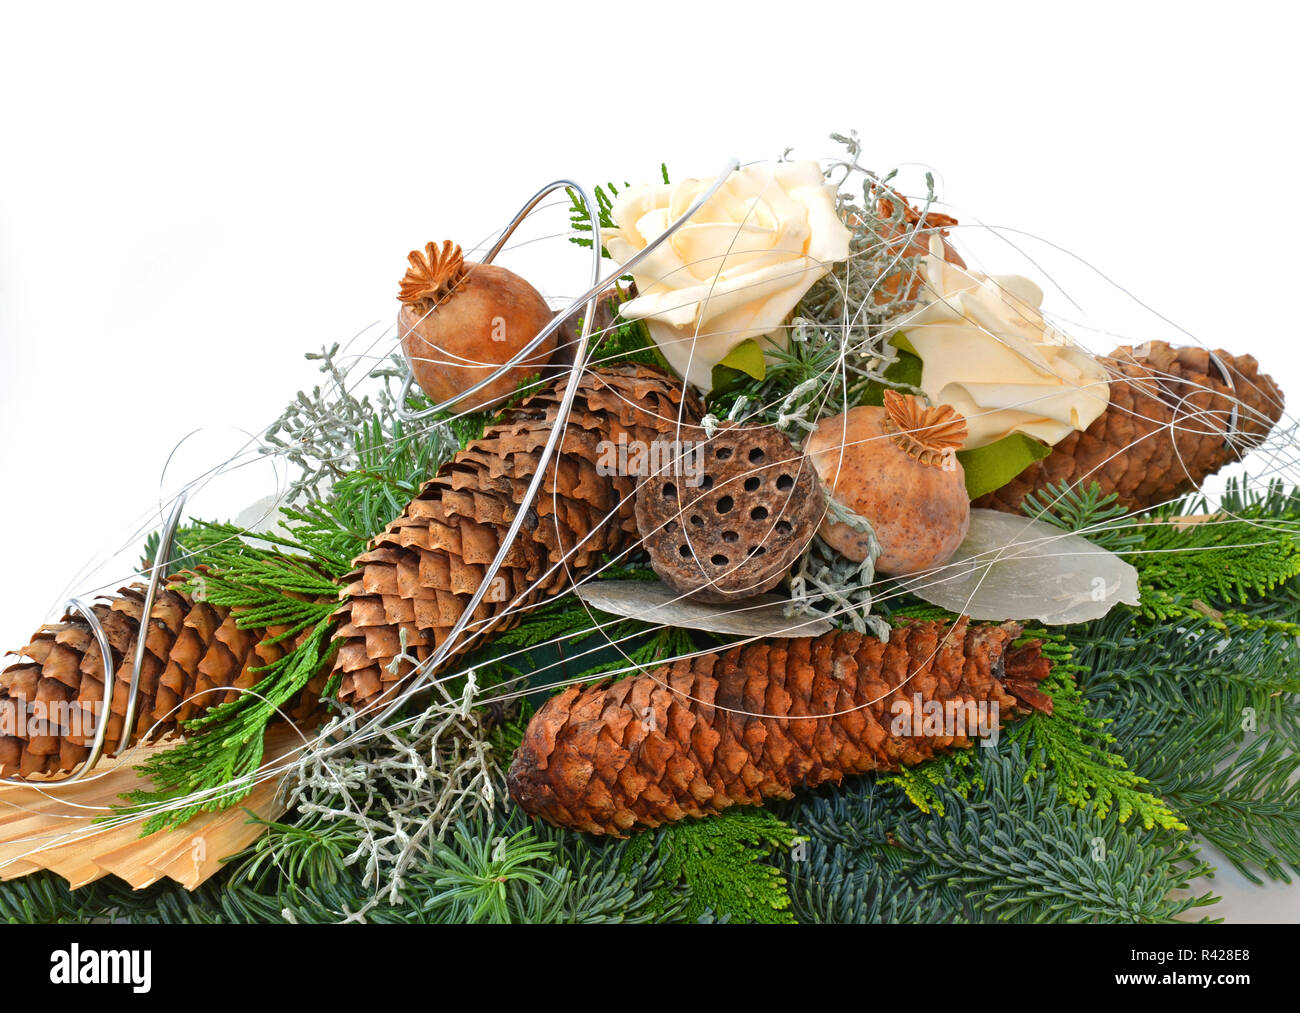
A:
(1075, 746)
(297, 595)
(1085, 511)
(289, 580)
(580, 221)
(720, 864)
(1007, 848)
(496, 881)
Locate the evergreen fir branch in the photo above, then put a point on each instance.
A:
(191, 546)
(580, 219)
(955, 772)
(506, 736)
(631, 645)
(285, 596)
(853, 870)
(1084, 511)
(1244, 800)
(1154, 680)
(289, 581)
(658, 645)
(838, 886)
(1228, 562)
(40, 899)
(495, 882)
(1074, 743)
(1016, 854)
(627, 341)
(1009, 850)
(1191, 706)
(313, 850)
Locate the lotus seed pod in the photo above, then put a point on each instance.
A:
(726, 517)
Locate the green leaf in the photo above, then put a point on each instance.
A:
(903, 343)
(746, 359)
(993, 466)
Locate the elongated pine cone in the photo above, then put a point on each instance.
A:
(763, 720)
(420, 573)
(1166, 429)
(50, 703)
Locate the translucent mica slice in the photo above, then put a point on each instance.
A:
(652, 601)
(1011, 567)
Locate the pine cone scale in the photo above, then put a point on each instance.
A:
(191, 648)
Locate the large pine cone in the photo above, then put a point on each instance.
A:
(739, 727)
(420, 573)
(1166, 429)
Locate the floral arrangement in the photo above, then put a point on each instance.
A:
(799, 572)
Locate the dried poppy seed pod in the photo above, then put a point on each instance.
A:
(905, 241)
(896, 466)
(459, 321)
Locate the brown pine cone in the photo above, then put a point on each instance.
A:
(192, 647)
(1166, 428)
(685, 740)
(420, 573)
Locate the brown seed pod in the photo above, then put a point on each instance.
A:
(897, 467)
(460, 320)
(725, 518)
(899, 241)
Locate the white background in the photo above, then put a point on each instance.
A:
(192, 196)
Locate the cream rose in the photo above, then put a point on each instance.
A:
(737, 268)
(987, 351)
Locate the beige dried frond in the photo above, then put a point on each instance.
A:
(46, 825)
